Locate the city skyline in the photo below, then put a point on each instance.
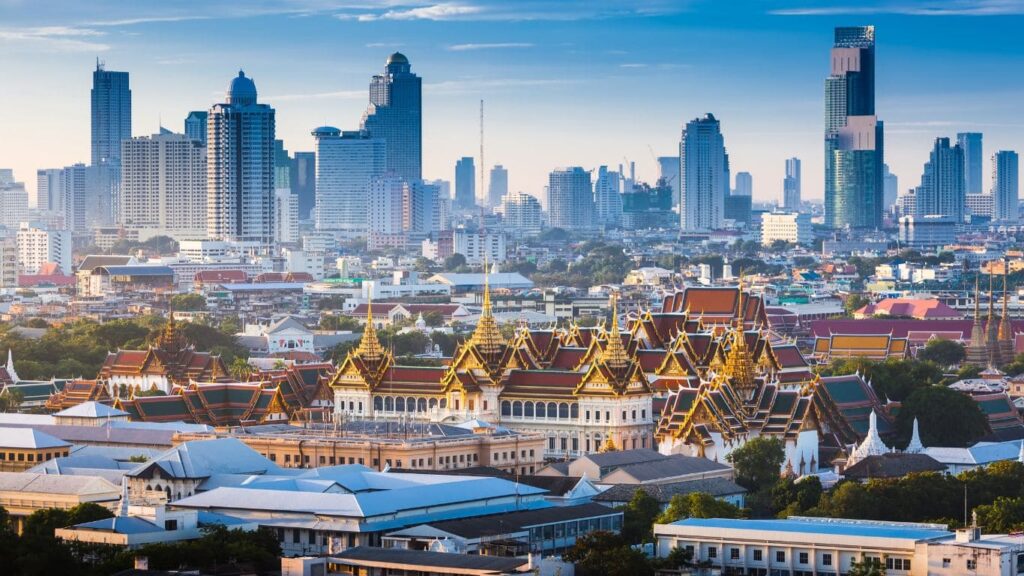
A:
(473, 51)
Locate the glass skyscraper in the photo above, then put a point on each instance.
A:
(346, 163)
(111, 114)
(195, 126)
(465, 183)
(941, 192)
(1005, 190)
(791, 185)
(395, 115)
(971, 144)
(853, 134)
(570, 199)
(703, 175)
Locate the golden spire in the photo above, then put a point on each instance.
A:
(738, 364)
(1004, 323)
(609, 444)
(614, 353)
(369, 346)
(487, 336)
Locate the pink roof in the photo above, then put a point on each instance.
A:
(29, 280)
(910, 307)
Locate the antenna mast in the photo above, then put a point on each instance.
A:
(483, 179)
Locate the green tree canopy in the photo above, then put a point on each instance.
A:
(757, 463)
(638, 517)
(935, 408)
(188, 302)
(943, 352)
(697, 505)
(603, 553)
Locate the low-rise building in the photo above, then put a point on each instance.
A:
(792, 227)
(23, 448)
(22, 493)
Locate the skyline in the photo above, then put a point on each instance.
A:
(622, 84)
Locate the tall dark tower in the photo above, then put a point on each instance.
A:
(395, 115)
(111, 114)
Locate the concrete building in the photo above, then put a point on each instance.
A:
(792, 227)
(744, 184)
(163, 186)
(13, 201)
(240, 167)
(38, 246)
(111, 114)
(346, 162)
(1005, 186)
(8, 264)
(497, 186)
(608, 198)
(22, 493)
(979, 205)
(926, 231)
(704, 175)
(23, 448)
(465, 184)
(423, 210)
(971, 144)
(570, 199)
(941, 192)
(668, 169)
(286, 216)
(791, 186)
(195, 126)
(395, 115)
(49, 190)
(522, 214)
(386, 212)
(890, 187)
(303, 182)
(479, 246)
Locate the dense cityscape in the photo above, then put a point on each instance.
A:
(225, 357)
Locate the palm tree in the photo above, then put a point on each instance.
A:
(240, 369)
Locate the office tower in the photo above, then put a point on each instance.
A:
(195, 126)
(703, 175)
(39, 245)
(791, 186)
(422, 212)
(74, 197)
(668, 169)
(465, 184)
(303, 184)
(522, 214)
(1005, 185)
(111, 114)
(979, 205)
(853, 134)
(345, 164)
(50, 189)
(240, 167)
(744, 184)
(282, 166)
(890, 187)
(286, 216)
(13, 201)
(971, 144)
(386, 212)
(8, 263)
(739, 209)
(941, 192)
(570, 199)
(395, 116)
(497, 186)
(608, 198)
(163, 186)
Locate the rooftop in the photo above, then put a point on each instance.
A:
(28, 438)
(417, 560)
(827, 526)
(92, 410)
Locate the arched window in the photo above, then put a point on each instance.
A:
(399, 404)
(574, 411)
(389, 404)
(563, 411)
(517, 409)
(528, 409)
(433, 403)
(444, 403)
(552, 410)
(378, 403)
(421, 405)
(506, 408)
(541, 411)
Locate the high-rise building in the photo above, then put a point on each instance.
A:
(853, 134)
(49, 189)
(195, 125)
(346, 162)
(8, 263)
(240, 167)
(668, 169)
(111, 114)
(522, 214)
(286, 217)
(465, 184)
(13, 201)
(739, 209)
(608, 197)
(423, 212)
(282, 166)
(74, 197)
(41, 245)
(570, 199)
(497, 186)
(744, 184)
(303, 184)
(386, 212)
(890, 187)
(941, 192)
(791, 186)
(703, 175)
(1005, 166)
(163, 186)
(971, 143)
(395, 115)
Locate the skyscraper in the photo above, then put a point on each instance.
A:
(570, 199)
(386, 212)
(703, 175)
(74, 197)
(195, 125)
(941, 192)
(791, 186)
(395, 115)
(422, 211)
(522, 214)
(744, 184)
(163, 185)
(608, 197)
(890, 187)
(303, 185)
(668, 168)
(465, 184)
(853, 134)
(497, 186)
(1005, 166)
(970, 142)
(111, 114)
(240, 167)
(50, 189)
(346, 162)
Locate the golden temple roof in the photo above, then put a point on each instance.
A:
(487, 336)
(369, 348)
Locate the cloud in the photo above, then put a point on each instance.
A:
(911, 8)
(633, 65)
(384, 45)
(504, 10)
(53, 39)
(442, 11)
(490, 46)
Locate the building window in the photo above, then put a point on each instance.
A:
(588, 415)
(734, 553)
(634, 414)
(758, 555)
(972, 564)
(780, 556)
(803, 558)
(826, 559)
(712, 552)
(623, 415)
(643, 414)
(295, 535)
(897, 564)
(945, 562)
(170, 525)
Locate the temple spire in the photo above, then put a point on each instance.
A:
(487, 336)
(10, 367)
(872, 444)
(369, 348)
(614, 354)
(915, 446)
(977, 350)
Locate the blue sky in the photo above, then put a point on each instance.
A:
(565, 83)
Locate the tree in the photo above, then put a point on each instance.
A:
(11, 399)
(943, 352)
(607, 554)
(341, 350)
(433, 318)
(866, 568)
(240, 369)
(854, 302)
(792, 498)
(188, 302)
(758, 462)
(935, 408)
(454, 262)
(697, 505)
(339, 323)
(1002, 516)
(638, 517)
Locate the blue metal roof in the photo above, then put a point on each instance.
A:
(832, 527)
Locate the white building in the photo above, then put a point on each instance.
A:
(386, 212)
(522, 214)
(37, 246)
(163, 186)
(703, 175)
(979, 205)
(13, 201)
(792, 227)
(8, 263)
(302, 261)
(286, 216)
(240, 167)
(608, 197)
(345, 164)
(497, 186)
(49, 190)
(1005, 185)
